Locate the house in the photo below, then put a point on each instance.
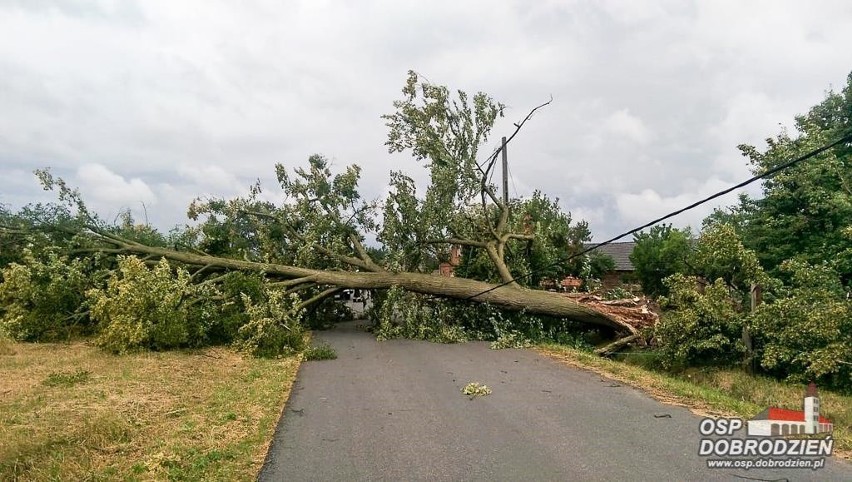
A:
(448, 268)
(780, 421)
(620, 254)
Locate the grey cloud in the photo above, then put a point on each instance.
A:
(203, 97)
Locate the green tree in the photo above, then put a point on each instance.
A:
(806, 333)
(706, 309)
(701, 325)
(805, 211)
(660, 252)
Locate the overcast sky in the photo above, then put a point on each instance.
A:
(158, 102)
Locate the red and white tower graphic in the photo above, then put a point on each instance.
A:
(781, 421)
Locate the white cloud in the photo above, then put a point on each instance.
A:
(214, 178)
(636, 209)
(623, 123)
(105, 187)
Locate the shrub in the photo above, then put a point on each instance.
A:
(806, 334)
(231, 312)
(41, 299)
(274, 327)
(700, 327)
(146, 308)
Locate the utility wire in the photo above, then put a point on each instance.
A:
(770, 172)
(512, 178)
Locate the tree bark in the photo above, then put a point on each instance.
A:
(616, 345)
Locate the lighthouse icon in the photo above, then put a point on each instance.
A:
(779, 421)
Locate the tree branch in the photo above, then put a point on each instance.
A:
(523, 237)
(491, 160)
(459, 241)
(293, 282)
(616, 345)
(363, 254)
(317, 298)
(369, 266)
(299, 287)
(213, 279)
(199, 272)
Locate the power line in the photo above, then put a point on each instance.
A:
(512, 178)
(774, 170)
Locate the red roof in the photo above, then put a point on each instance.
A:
(790, 415)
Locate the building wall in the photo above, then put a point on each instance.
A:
(614, 279)
(782, 427)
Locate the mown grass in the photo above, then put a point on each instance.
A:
(72, 412)
(716, 392)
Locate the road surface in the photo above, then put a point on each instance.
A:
(394, 411)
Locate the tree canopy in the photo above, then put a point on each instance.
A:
(805, 211)
(660, 252)
(794, 242)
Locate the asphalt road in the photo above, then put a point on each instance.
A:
(394, 411)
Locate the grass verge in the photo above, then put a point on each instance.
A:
(716, 392)
(72, 412)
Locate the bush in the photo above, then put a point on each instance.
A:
(617, 293)
(42, 299)
(231, 312)
(274, 327)
(700, 327)
(146, 308)
(806, 334)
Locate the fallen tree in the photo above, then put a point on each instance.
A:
(313, 243)
(510, 297)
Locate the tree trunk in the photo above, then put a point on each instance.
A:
(508, 297)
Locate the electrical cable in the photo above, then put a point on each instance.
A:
(770, 172)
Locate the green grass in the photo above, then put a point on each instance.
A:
(66, 379)
(718, 392)
(320, 352)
